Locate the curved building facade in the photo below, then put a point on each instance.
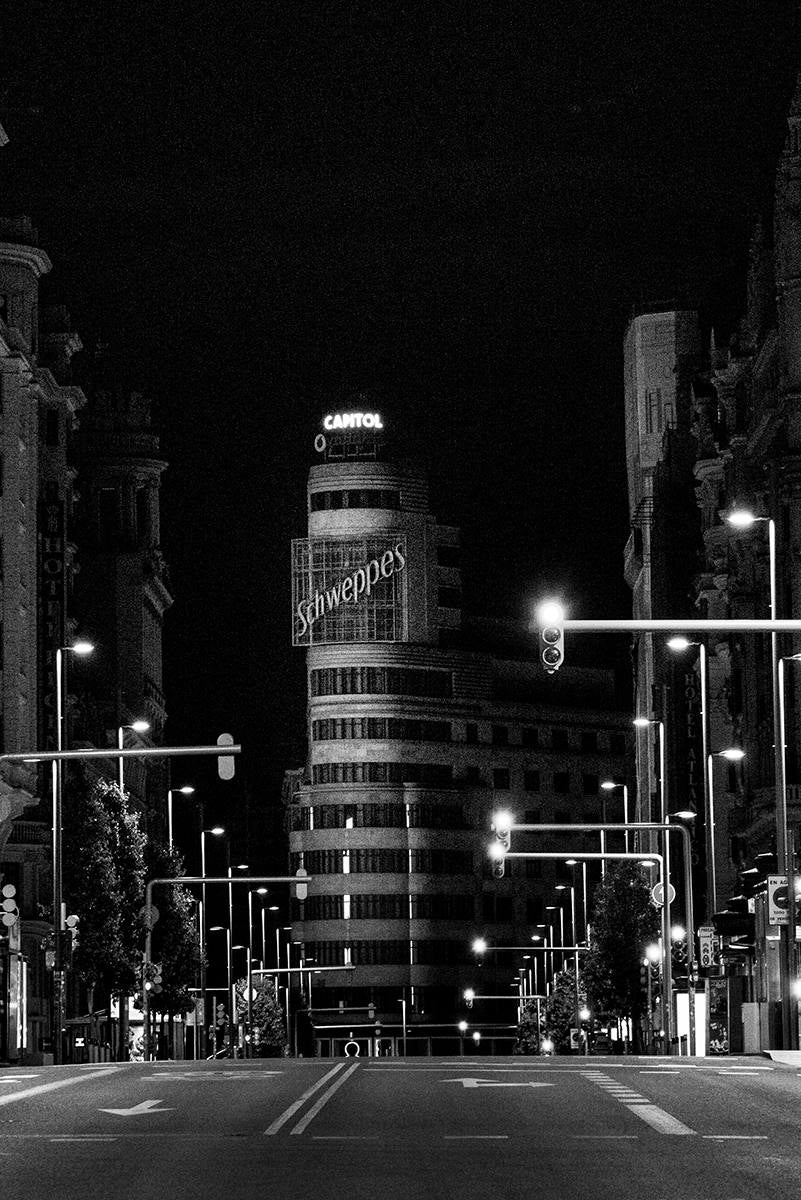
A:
(414, 740)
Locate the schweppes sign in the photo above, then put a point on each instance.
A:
(350, 590)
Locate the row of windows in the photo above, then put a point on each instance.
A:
(428, 774)
(381, 681)
(392, 907)
(355, 498)
(401, 729)
(561, 781)
(588, 740)
(397, 951)
(377, 816)
(385, 862)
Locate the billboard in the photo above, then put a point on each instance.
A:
(348, 590)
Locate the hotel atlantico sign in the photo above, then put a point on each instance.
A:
(348, 590)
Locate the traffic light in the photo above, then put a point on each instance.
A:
(156, 978)
(497, 855)
(72, 922)
(550, 619)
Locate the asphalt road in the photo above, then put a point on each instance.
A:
(348, 1129)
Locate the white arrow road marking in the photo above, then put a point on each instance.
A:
(475, 1083)
(138, 1110)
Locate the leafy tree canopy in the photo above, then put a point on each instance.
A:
(624, 921)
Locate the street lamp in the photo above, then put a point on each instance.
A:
(667, 974)
(677, 645)
(215, 831)
(609, 785)
(226, 929)
(563, 887)
(81, 648)
(135, 727)
(731, 754)
(743, 519)
(573, 863)
(186, 790)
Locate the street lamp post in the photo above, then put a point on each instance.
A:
(135, 727)
(562, 887)
(679, 644)
(610, 785)
(262, 891)
(215, 831)
(571, 862)
(59, 981)
(186, 790)
(226, 930)
(742, 519)
(667, 973)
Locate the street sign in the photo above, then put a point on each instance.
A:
(706, 946)
(143, 915)
(778, 900)
(658, 893)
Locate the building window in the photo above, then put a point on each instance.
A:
(589, 784)
(500, 735)
(471, 733)
(382, 681)
(617, 744)
(501, 779)
(473, 775)
(562, 817)
(561, 781)
(589, 741)
(560, 739)
(532, 816)
(449, 597)
(448, 556)
(51, 427)
(529, 737)
(531, 781)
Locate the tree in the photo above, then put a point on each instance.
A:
(175, 943)
(268, 1035)
(103, 880)
(560, 1009)
(528, 1029)
(624, 921)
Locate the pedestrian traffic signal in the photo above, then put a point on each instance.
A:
(550, 619)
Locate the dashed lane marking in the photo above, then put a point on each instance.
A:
(645, 1109)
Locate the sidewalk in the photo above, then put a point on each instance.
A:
(789, 1058)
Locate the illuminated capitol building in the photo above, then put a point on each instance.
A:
(419, 727)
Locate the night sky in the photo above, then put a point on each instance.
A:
(264, 209)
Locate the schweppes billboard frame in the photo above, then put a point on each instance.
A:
(325, 593)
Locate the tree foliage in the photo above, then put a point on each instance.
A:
(560, 1009)
(103, 881)
(528, 1030)
(268, 1035)
(624, 921)
(175, 942)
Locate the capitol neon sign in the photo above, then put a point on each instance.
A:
(351, 588)
(355, 420)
